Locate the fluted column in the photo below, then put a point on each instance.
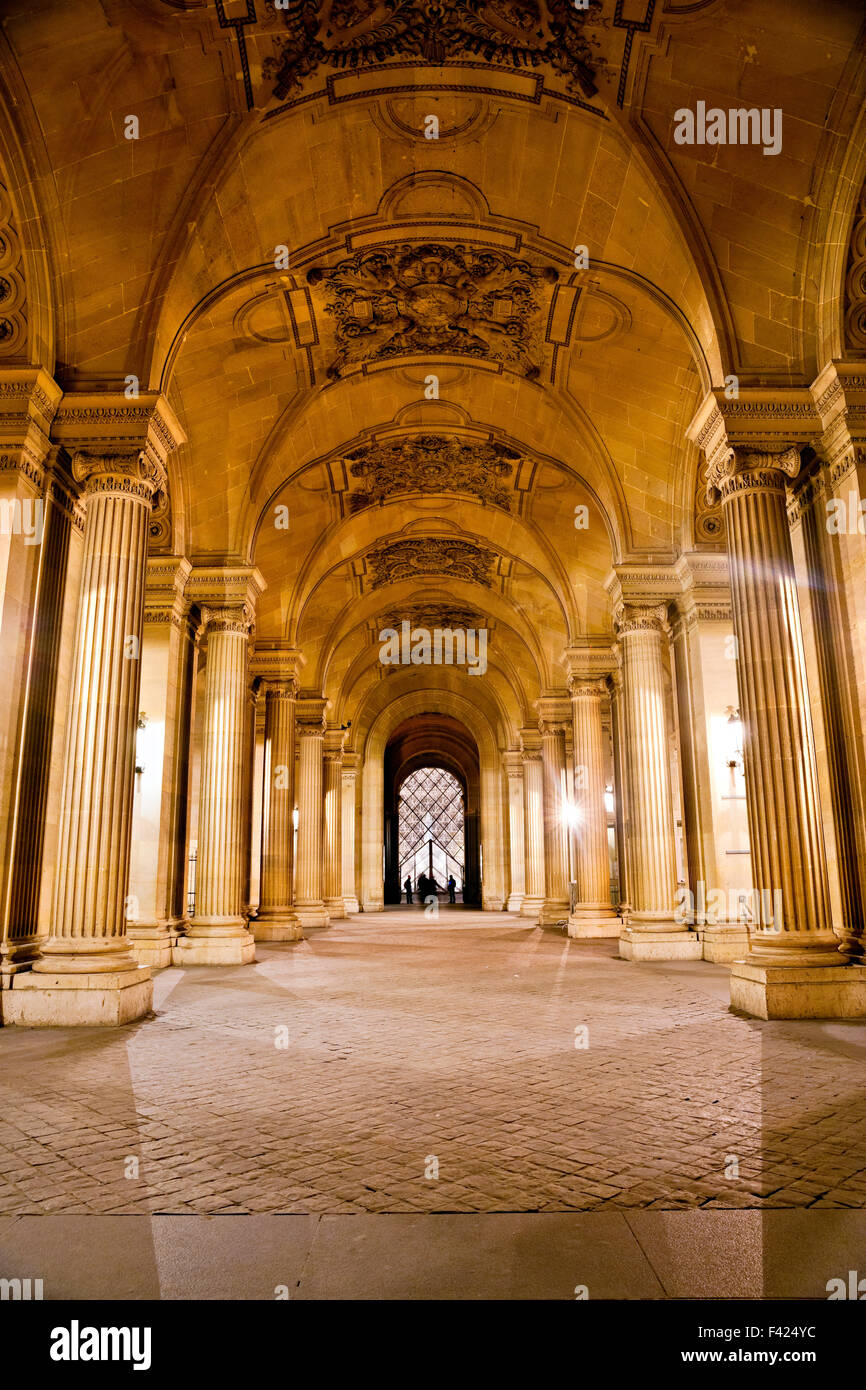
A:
(652, 933)
(156, 906)
(332, 794)
(277, 919)
(310, 728)
(218, 933)
(556, 810)
(533, 823)
(87, 973)
(513, 764)
(792, 945)
(593, 914)
(349, 779)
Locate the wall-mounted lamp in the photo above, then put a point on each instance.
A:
(142, 724)
(734, 758)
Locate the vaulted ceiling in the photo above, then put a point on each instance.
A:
(401, 379)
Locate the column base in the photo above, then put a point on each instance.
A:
(514, 903)
(824, 991)
(352, 906)
(335, 907)
(276, 926)
(553, 911)
(589, 922)
(312, 915)
(723, 942)
(150, 944)
(215, 941)
(531, 907)
(658, 944)
(100, 999)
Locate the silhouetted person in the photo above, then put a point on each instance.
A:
(423, 886)
(408, 886)
(452, 886)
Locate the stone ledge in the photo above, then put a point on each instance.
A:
(86, 1000)
(659, 945)
(828, 991)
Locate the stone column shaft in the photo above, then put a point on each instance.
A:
(516, 834)
(533, 823)
(332, 795)
(309, 900)
(350, 779)
(795, 966)
(277, 920)
(593, 914)
(556, 899)
(218, 933)
(652, 932)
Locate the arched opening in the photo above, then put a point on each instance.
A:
(431, 844)
(432, 807)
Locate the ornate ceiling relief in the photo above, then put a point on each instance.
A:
(428, 555)
(855, 281)
(435, 299)
(431, 463)
(349, 34)
(433, 615)
(13, 291)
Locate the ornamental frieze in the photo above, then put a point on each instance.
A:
(434, 299)
(448, 559)
(345, 35)
(431, 463)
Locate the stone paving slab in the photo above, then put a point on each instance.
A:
(435, 1071)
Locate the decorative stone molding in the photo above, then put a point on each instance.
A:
(855, 281)
(449, 559)
(110, 425)
(279, 665)
(398, 299)
(213, 587)
(431, 463)
(139, 474)
(587, 663)
(751, 470)
(355, 34)
(434, 615)
(28, 402)
(310, 716)
(631, 617)
(14, 331)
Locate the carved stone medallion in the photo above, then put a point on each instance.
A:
(431, 463)
(449, 559)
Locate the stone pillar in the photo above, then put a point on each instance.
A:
(552, 725)
(533, 823)
(218, 933)
(332, 796)
(87, 973)
(351, 763)
(310, 728)
(593, 914)
(652, 932)
(38, 514)
(277, 919)
(794, 967)
(513, 764)
(620, 791)
(156, 906)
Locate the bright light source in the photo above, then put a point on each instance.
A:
(571, 814)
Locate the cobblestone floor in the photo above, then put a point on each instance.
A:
(418, 1047)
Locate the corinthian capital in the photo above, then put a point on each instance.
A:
(740, 470)
(138, 474)
(633, 617)
(232, 618)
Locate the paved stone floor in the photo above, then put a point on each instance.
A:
(431, 1066)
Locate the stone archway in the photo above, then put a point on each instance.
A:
(466, 715)
(433, 740)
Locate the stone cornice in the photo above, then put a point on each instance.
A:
(530, 744)
(332, 749)
(586, 662)
(310, 716)
(278, 663)
(759, 418)
(215, 586)
(165, 586)
(643, 584)
(512, 762)
(28, 402)
(109, 423)
(351, 764)
(554, 713)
